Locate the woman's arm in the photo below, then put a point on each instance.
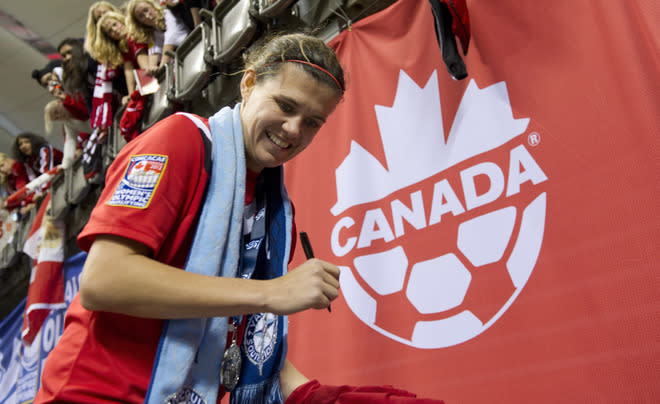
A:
(148, 62)
(290, 379)
(166, 58)
(130, 81)
(118, 276)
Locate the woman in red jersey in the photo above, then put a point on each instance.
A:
(205, 196)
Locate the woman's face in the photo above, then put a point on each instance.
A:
(145, 13)
(66, 51)
(113, 28)
(47, 78)
(99, 11)
(5, 165)
(281, 115)
(25, 146)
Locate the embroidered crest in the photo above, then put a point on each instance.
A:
(260, 338)
(140, 181)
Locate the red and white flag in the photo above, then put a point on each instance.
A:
(45, 245)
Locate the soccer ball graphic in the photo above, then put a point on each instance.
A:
(436, 289)
(439, 284)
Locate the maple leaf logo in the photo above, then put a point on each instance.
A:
(483, 122)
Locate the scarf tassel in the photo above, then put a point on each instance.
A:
(267, 391)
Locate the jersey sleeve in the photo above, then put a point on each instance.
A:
(150, 184)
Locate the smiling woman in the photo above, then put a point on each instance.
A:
(207, 197)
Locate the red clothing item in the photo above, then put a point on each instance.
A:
(130, 119)
(76, 106)
(105, 357)
(101, 113)
(18, 178)
(43, 161)
(133, 49)
(315, 393)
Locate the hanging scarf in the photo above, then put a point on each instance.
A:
(101, 114)
(187, 365)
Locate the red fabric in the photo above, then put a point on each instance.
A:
(133, 49)
(16, 180)
(315, 393)
(101, 114)
(76, 106)
(18, 177)
(130, 119)
(79, 364)
(579, 326)
(460, 24)
(81, 139)
(46, 291)
(43, 161)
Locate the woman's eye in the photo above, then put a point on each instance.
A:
(312, 123)
(285, 107)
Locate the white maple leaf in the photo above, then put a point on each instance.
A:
(413, 139)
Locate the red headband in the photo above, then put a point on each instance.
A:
(314, 66)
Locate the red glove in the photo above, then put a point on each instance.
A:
(315, 393)
(130, 120)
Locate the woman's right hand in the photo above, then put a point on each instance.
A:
(313, 284)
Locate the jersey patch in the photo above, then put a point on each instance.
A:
(140, 181)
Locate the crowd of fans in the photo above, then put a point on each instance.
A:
(93, 79)
(96, 95)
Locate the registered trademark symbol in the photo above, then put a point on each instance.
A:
(533, 139)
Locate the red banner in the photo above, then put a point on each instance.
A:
(497, 235)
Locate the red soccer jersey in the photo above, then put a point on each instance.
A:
(153, 193)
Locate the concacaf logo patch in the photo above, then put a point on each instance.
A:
(140, 181)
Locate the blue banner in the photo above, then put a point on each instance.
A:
(20, 365)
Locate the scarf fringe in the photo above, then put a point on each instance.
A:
(267, 391)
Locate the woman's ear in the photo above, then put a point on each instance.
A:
(248, 82)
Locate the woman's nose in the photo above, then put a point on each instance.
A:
(293, 126)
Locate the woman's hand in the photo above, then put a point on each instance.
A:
(314, 284)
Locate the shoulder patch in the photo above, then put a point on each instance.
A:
(139, 182)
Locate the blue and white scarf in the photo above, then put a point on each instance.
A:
(187, 365)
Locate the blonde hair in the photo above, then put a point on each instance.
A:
(3, 176)
(139, 32)
(90, 37)
(49, 110)
(105, 49)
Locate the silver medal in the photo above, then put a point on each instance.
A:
(230, 370)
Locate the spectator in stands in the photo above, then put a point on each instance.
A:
(144, 224)
(110, 83)
(35, 153)
(76, 131)
(182, 10)
(52, 71)
(12, 174)
(156, 27)
(195, 6)
(112, 48)
(95, 13)
(15, 178)
(78, 71)
(4, 192)
(50, 78)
